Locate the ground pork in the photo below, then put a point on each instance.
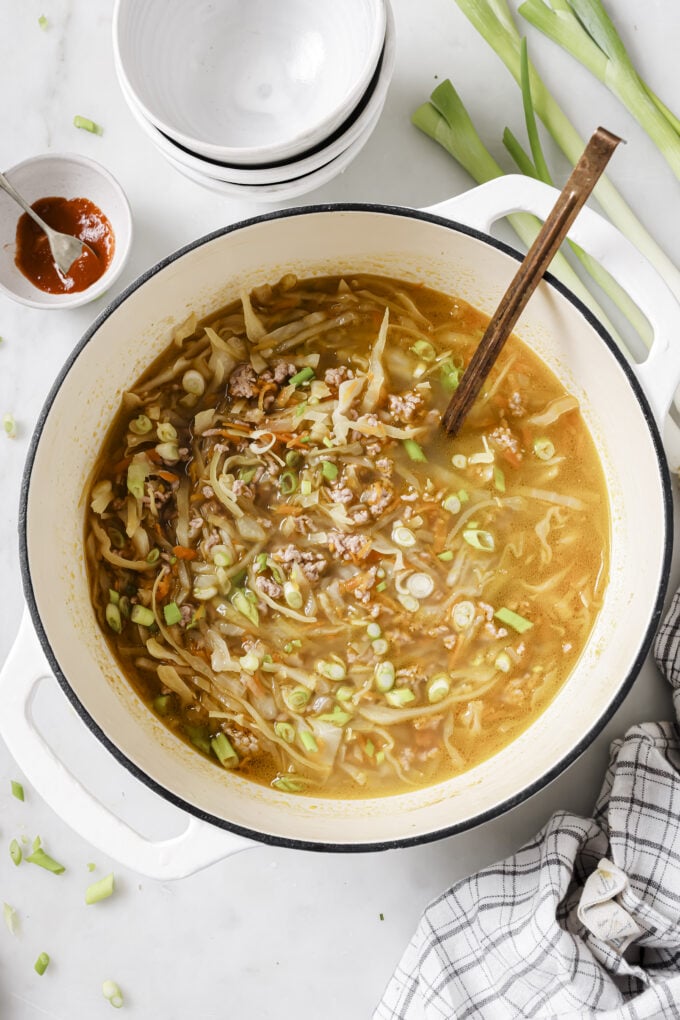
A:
(505, 439)
(269, 587)
(405, 406)
(341, 494)
(243, 381)
(349, 547)
(334, 376)
(243, 741)
(311, 563)
(516, 405)
(377, 497)
(385, 466)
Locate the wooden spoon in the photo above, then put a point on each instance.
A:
(573, 197)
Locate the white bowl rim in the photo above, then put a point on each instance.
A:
(81, 297)
(275, 152)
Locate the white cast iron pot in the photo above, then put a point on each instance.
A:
(620, 405)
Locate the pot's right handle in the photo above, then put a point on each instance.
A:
(659, 374)
(199, 845)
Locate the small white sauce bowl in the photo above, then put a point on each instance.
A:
(64, 176)
(248, 83)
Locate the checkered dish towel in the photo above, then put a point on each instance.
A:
(583, 921)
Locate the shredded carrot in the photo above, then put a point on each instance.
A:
(267, 388)
(163, 586)
(183, 552)
(288, 510)
(154, 457)
(511, 458)
(122, 465)
(167, 476)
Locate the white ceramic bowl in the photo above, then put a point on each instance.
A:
(372, 102)
(284, 190)
(248, 82)
(67, 176)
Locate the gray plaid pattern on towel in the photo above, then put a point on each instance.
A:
(508, 943)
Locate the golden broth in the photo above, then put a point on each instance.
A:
(302, 575)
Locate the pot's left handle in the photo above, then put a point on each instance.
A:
(200, 845)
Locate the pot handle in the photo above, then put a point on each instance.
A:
(659, 374)
(200, 845)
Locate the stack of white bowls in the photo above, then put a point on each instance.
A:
(259, 99)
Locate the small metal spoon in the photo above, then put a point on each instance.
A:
(571, 200)
(65, 248)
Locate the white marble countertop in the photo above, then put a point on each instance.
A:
(270, 932)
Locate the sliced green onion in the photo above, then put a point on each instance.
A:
(380, 646)
(87, 125)
(373, 630)
(112, 992)
(249, 663)
(463, 495)
(420, 585)
(260, 562)
(117, 538)
(337, 717)
(306, 487)
(100, 890)
(162, 704)
(293, 458)
(153, 556)
(244, 606)
(384, 676)
(445, 556)
(296, 697)
(438, 688)
(308, 742)
(221, 556)
(459, 461)
(381, 586)
(449, 376)
(43, 22)
(17, 789)
(331, 670)
(288, 784)
(36, 843)
(246, 474)
(172, 613)
(303, 376)
(168, 452)
(503, 662)
(136, 477)
(142, 615)
(292, 595)
(193, 382)
(415, 451)
(224, 751)
(423, 349)
(403, 536)
(479, 539)
(499, 479)
(239, 578)
(399, 697)
(112, 614)
(285, 730)
(288, 482)
(15, 852)
(345, 693)
(544, 449)
(329, 470)
(41, 964)
(10, 915)
(379, 759)
(463, 614)
(369, 748)
(198, 735)
(91, 867)
(452, 504)
(44, 860)
(513, 620)
(166, 432)
(140, 425)
(410, 603)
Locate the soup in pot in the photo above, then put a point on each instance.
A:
(303, 576)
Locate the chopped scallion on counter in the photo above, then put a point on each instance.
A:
(9, 425)
(100, 890)
(17, 790)
(10, 915)
(43, 860)
(15, 852)
(85, 124)
(43, 22)
(415, 451)
(41, 964)
(514, 620)
(112, 992)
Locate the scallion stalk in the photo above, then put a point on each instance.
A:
(41, 964)
(17, 789)
(88, 125)
(100, 890)
(43, 860)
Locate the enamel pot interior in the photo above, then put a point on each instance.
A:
(210, 274)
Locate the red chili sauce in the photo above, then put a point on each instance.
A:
(76, 216)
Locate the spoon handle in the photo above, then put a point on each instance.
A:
(13, 193)
(573, 197)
